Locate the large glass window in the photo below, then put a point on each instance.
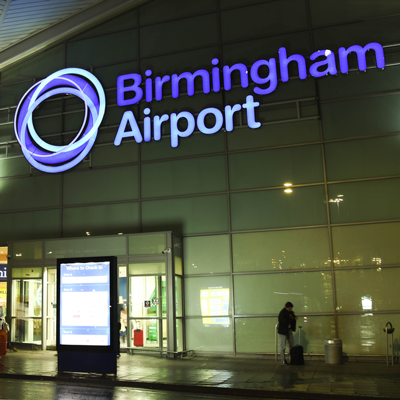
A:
(364, 201)
(363, 334)
(253, 169)
(197, 175)
(146, 244)
(27, 310)
(268, 293)
(304, 206)
(280, 250)
(373, 289)
(364, 245)
(257, 335)
(206, 254)
(187, 215)
(201, 336)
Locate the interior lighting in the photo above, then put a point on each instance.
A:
(88, 233)
(120, 233)
(287, 184)
(288, 190)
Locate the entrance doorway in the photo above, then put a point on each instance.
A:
(148, 311)
(150, 288)
(51, 308)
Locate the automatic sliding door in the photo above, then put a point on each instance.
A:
(51, 309)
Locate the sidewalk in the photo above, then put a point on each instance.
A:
(243, 376)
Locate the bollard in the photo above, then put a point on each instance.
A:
(389, 331)
(333, 351)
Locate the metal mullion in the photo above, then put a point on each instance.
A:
(228, 197)
(356, 267)
(286, 271)
(385, 221)
(368, 312)
(139, 150)
(317, 314)
(311, 37)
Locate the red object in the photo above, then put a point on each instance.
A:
(138, 337)
(3, 342)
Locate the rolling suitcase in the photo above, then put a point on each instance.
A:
(296, 355)
(296, 352)
(138, 337)
(3, 342)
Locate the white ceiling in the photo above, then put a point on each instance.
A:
(22, 18)
(28, 26)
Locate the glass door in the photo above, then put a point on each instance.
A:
(147, 306)
(51, 308)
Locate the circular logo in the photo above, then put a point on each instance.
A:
(51, 158)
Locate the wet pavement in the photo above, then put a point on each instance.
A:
(28, 390)
(248, 377)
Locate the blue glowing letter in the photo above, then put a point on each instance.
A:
(251, 119)
(134, 132)
(219, 120)
(149, 87)
(147, 125)
(190, 82)
(330, 63)
(244, 79)
(360, 51)
(215, 76)
(284, 60)
(272, 76)
(121, 89)
(229, 111)
(157, 121)
(175, 132)
(159, 83)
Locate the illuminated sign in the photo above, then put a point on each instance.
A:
(85, 304)
(3, 272)
(51, 158)
(214, 305)
(132, 88)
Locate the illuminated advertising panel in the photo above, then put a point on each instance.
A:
(214, 305)
(87, 314)
(85, 304)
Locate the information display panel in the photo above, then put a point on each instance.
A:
(87, 304)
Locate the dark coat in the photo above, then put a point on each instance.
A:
(286, 321)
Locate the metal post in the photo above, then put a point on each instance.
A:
(299, 335)
(276, 342)
(387, 348)
(392, 351)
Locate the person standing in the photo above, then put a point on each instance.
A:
(287, 325)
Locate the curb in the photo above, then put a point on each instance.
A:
(112, 382)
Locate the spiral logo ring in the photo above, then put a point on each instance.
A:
(52, 158)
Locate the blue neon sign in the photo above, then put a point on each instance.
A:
(50, 158)
(132, 88)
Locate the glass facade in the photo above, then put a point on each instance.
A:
(329, 245)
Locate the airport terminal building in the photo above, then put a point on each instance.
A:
(233, 154)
